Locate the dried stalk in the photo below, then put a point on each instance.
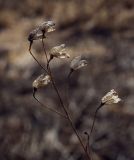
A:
(94, 119)
(35, 58)
(48, 108)
(63, 106)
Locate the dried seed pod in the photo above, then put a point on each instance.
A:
(110, 98)
(40, 31)
(41, 81)
(78, 63)
(33, 34)
(59, 52)
(48, 26)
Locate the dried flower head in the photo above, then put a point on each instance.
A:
(78, 63)
(41, 81)
(48, 26)
(40, 31)
(59, 52)
(33, 34)
(111, 98)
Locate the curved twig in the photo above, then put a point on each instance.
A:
(35, 58)
(94, 119)
(48, 108)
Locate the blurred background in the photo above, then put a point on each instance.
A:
(100, 30)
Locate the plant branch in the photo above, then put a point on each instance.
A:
(35, 58)
(94, 119)
(51, 57)
(87, 145)
(48, 108)
(67, 88)
(64, 108)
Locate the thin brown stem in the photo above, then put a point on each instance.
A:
(48, 60)
(69, 75)
(46, 107)
(92, 127)
(67, 87)
(87, 140)
(44, 50)
(35, 58)
(64, 108)
(87, 145)
(51, 57)
(94, 119)
(70, 120)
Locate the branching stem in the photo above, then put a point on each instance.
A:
(35, 58)
(63, 106)
(48, 108)
(94, 119)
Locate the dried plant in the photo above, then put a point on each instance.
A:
(48, 26)
(58, 52)
(110, 98)
(76, 64)
(42, 81)
(47, 78)
(39, 33)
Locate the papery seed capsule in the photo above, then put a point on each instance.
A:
(59, 52)
(48, 26)
(78, 63)
(33, 34)
(40, 31)
(41, 81)
(110, 98)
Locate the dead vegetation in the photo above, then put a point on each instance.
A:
(101, 30)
